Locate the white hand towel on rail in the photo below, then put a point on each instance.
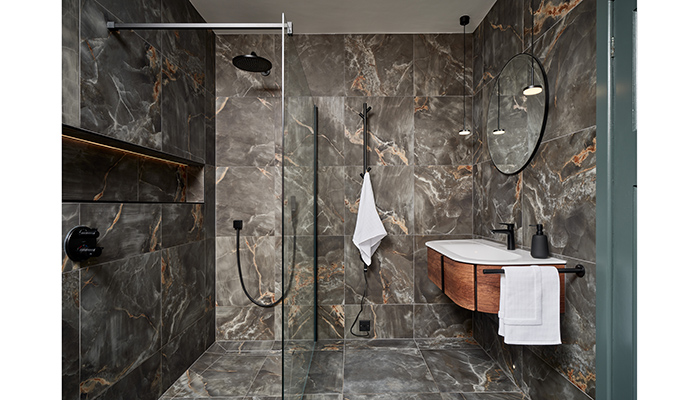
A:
(529, 308)
(369, 230)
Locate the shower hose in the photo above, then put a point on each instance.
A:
(238, 225)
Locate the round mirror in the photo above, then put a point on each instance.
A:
(517, 113)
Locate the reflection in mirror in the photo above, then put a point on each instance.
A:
(517, 116)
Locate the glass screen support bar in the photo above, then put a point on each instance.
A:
(111, 25)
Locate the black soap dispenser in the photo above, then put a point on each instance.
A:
(540, 246)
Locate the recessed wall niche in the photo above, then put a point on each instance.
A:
(94, 171)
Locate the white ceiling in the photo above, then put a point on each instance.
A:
(350, 16)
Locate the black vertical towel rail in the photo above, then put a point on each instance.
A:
(365, 156)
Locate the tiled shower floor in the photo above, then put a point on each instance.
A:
(390, 369)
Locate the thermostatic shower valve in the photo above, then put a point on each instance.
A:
(81, 243)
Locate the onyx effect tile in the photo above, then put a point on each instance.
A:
(70, 335)
(260, 267)
(567, 52)
(186, 48)
(244, 194)
(245, 130)
(93, 173)
(240, 83)
(387, 321)
(70, 62)
(440, 65)
(126, 229)
(437, 121)
(496, 200)
(162, 182)
(442, 199)
(442, 321)
(380, 371)
(244, 323)
(322, 59)
(120, 314)
(390, 131)
(120, 81)
(182, 111)
(182, 223)
(565, 169)
(183, 282)
(379, 65)
(331, 130)
(469, 370)
(393, 188)
(389, 277)
(502, 37)
(70, 218)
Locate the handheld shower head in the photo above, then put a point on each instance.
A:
(253, 63)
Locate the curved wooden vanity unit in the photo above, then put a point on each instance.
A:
(466, 284)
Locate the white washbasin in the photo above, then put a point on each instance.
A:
(484, 252)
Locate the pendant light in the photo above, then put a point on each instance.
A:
(464, 20)
(498, 130)
(532, 89)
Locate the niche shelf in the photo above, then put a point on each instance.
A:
(100, 168)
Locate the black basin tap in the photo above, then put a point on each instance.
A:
(510, 231)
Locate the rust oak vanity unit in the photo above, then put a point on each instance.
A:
(457, 268)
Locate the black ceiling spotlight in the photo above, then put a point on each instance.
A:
(253, 63)
(464, 20)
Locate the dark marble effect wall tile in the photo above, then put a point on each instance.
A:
(244, 193)
(162, 182)
(70, 335)
(298, 131)
(393, 196)
(120, 81)
(386, 320)
(331, 270)
(137, 11)
(244, 323)
(540, 381)
(183, 287)
(497, 200)
(70, 62)
(322, 58)
(120, 319)
(182, 223)
(442, 321)
(260, 266)
(568, 52)
(183, 106)
(389, 277)
(325, 373)
(93, 173)
(331, 130)
(502, 37)
(443, 200)
(182, 351)
(144, 382)
(564, 169)
(70, 218)
(437, 121)
(186, 48)
(467, 371)
(240, 83)
(331, 321)
(379, 65)
(245, 130)
(376, 372)
(390, 138)
(440, 65)
(331, 201)
(125, 229)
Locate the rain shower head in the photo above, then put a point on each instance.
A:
(253, 63)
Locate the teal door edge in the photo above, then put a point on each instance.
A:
(616, 363)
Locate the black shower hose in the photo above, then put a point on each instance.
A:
(240, 273)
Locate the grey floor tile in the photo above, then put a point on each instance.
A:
(467, 370)
(387, 371)
(325, 373)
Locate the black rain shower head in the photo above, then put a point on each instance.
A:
(253, 63)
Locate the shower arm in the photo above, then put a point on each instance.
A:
(111, 25)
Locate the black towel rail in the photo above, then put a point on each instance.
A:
(579, 270)
(365, 156)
